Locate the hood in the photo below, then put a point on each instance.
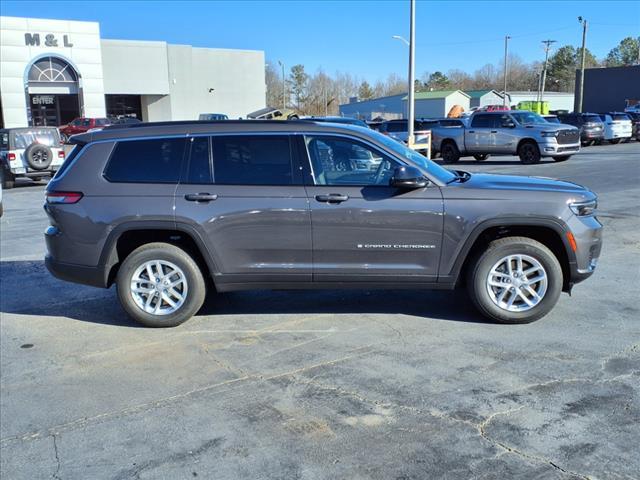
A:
(515, 182)
(552, 127)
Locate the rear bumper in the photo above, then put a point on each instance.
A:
(93, 276)
(592, 135)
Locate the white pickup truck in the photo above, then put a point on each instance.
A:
(517, 132)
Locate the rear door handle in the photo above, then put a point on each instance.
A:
(471, 131)
(332, 198)
(494, 131)
(201, 197)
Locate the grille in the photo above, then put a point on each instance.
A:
(568, 136)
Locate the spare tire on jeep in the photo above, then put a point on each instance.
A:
(38, 156)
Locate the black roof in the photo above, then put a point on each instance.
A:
(152, 129)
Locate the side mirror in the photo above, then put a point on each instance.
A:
(408, 178)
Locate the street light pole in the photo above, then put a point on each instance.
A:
(547, 47)
(412, 72)
(284, 88)
(504, 92)
(583, 21)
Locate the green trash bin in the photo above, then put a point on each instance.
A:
(544, 108)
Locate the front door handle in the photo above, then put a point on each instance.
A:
(200, 197)
(471, 131)
(494, 131)
(332, 198)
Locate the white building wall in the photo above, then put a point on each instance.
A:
(429, 107)
(175, 82)
(456, 98)
(16, 57)
(204, 80)
(557, 100)
(135, 67)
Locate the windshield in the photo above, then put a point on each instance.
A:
(528, 118)
(592, 119)
(442, 174)
(48, 137)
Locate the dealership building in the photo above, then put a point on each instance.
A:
(52, 71)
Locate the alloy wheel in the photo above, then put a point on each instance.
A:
(517, 283)
(159, 287)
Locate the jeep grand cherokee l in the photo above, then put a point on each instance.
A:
(168, 211)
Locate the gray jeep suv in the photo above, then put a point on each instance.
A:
(166, 211)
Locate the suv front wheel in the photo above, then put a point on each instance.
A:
(160, 285)
(515, 280)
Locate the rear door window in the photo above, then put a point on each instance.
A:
(252, 160)
(199, 169)
(483, 121)
(146, 161)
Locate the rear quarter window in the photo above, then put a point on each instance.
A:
(146, 161)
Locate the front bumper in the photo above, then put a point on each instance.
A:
(587, 232)
(553, 148)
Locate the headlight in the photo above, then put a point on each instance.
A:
(549, 134)
(583, 209)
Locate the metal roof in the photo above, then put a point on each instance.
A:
(435, 94)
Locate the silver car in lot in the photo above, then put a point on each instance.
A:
(33, 152)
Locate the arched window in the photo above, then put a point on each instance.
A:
(52, 69)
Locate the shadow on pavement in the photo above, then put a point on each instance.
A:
(29, 289)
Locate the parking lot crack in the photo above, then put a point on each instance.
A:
(532, 458)
(57, 457)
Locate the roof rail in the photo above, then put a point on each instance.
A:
(200, 122)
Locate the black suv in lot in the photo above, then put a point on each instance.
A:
(167, 211)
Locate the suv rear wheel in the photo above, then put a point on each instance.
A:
(160, 285)
(515, 280)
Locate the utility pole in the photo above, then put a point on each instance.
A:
(504, 92)
(583, 21)
(284, 87)
(412, 72)
(547, 47)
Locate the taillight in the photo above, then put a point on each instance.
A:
(63, 197)
(60, 153)
(11, 157)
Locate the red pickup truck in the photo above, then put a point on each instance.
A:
(82, 125)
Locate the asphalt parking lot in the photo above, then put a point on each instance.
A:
(326, 385)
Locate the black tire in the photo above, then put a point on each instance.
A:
(293, 117)
(38, 156)
(561, 158)
(449, 152)
(64, 137)
(196, 289)
(481, 157)
(529, 153)
(7, 179)
(615, 141)
(477, 279)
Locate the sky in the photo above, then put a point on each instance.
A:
(356, 36)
